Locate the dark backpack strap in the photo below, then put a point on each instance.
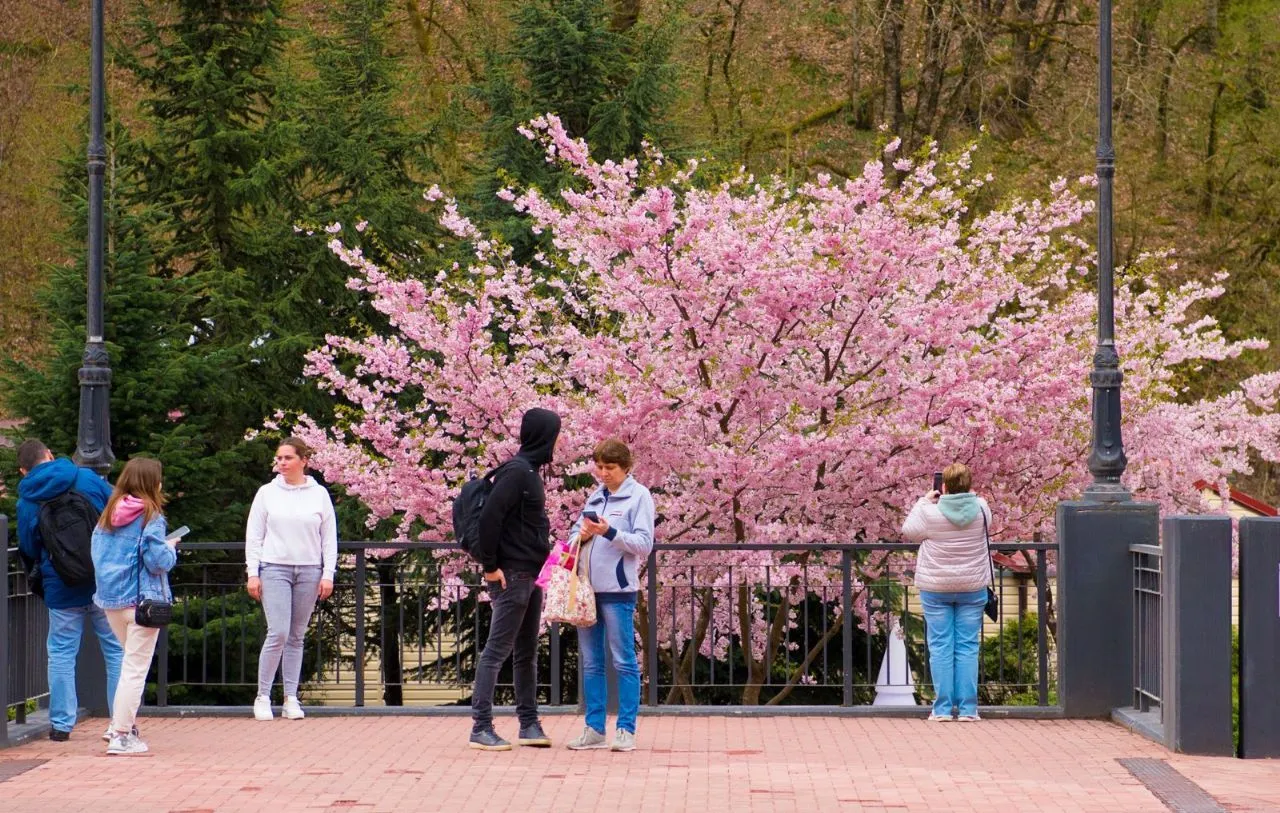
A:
(986, 537)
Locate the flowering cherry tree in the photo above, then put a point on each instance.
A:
(787, 364)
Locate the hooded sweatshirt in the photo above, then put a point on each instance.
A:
(44, 482)
(127, 510)
(292, 525)
(515, 532)
(954, 557)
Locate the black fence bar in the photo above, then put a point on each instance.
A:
(24, 621)
(361, 563)
(1042, 627)
(1146, 627)
(162, 668)
(846, 630)
(6, 629)
(651, 629)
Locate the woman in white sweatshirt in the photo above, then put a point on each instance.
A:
(291, 551)
(952, 572)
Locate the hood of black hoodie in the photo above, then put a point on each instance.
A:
(539, 429)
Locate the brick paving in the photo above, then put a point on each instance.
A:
(768, 764)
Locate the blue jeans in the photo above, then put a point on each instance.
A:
(66, 627)
(615, 625)
(953, 623)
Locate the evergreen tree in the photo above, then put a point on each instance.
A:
(609, 87)
(149, 370)
(213, 299)
(212, 170)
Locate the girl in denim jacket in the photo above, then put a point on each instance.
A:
(132, 560)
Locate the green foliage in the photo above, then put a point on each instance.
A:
(213, 650)
(212, 298)
(1235, 687)
(1008, 666)
(609, 88)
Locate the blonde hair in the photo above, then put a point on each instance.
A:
(957, 478)
(141, 478)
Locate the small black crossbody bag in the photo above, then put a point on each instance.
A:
(149, 612)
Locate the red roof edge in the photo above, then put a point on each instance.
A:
(1252, 503)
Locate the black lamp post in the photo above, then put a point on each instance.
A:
(1106, 459)
(93, 440)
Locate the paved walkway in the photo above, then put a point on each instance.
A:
(683, 763)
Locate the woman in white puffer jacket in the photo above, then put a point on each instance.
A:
(952, 573)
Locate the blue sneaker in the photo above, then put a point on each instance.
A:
(488, 740)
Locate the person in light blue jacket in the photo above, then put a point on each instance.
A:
(131, 561)
(616, 530)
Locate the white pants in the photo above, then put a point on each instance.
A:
(139, 646)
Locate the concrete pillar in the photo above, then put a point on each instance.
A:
(1095, 602)
(1259, 637)
(1195, 605)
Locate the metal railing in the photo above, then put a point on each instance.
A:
(716, 625)
(1147, 668)
(24, 659)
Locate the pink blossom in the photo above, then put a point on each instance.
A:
(788, 364)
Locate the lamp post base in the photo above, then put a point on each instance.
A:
(1107, 492)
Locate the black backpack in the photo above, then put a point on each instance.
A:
(66, 529)
(466, 511)
(467, 507)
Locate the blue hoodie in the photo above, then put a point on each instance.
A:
(42, 483)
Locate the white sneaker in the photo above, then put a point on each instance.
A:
(262, 708)
(623, 740)
(292, 709)
(126, 744)
(106, 735)
(589, 739)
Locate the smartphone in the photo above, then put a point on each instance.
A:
(591, 515)
(174, 536)
(937, 481)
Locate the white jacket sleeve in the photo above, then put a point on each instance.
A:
(254, 534)
(328, 539)
(916, 528)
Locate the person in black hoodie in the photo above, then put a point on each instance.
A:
(513, 543)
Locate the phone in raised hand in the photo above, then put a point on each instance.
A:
(175, 535)
(937, 481)
(591, 515)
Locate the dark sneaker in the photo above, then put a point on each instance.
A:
(533, 735)
(59, 736)
(488, 740)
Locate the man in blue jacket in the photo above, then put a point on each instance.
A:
(44, 478)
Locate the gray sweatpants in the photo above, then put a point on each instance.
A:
(288, 597)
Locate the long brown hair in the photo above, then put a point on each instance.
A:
(141, 478)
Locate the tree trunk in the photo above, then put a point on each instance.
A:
(937, 43)
(626, 13)
(858, 110)
(389, 614)
(1208, 201)
(1142, 39)
(891, 63)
